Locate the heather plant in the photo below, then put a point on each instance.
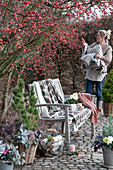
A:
(8, 131)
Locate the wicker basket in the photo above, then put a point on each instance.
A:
(29, 153)
(108, 109)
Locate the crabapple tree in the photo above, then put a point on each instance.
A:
(33, 33)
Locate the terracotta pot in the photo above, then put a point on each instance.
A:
(108, 109)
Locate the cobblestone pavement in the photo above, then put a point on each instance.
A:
(85, 159)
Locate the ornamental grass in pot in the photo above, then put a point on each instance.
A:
(107, 93)
(28, 136)
(105, 141)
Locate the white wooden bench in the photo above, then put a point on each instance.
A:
(79, 118)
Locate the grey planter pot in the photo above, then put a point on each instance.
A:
(6, 166)
(108, 158)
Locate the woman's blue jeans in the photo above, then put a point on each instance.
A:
(99, 86)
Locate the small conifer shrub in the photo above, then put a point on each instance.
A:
(107, 91)
(24, 105)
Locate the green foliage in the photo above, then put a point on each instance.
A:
(24, 105)
(48, 136)
(9, 153)
(23, 136)
(72, 101)
(105, 140)
(108, 130)
(108, 89)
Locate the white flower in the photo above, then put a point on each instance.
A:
(71, 96)
(74, 96)
(110, 140)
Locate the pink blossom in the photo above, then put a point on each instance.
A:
(5, 152)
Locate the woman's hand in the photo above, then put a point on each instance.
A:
(83, 42)
(98, 56)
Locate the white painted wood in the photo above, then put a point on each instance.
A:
(63, 119)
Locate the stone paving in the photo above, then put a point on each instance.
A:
(85, 157)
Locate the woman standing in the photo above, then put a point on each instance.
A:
(94, 76)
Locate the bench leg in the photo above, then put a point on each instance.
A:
(92, 129)
(67, 129)
(63, 127)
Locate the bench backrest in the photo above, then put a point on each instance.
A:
(43, 111)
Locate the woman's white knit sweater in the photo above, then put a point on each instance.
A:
(94, 75)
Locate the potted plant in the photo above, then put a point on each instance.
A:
(27, 138)
(9, 156)
(105, 141)
(73, 100)
(27, 141)
(107, 93)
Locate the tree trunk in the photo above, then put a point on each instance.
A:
(74, 84)
(5, 103)
(5, 97)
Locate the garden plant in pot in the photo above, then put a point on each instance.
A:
(107, 93)
(73, 100)
(28, 136)
(9, 156)
(105, 141)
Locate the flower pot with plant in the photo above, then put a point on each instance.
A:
(73, 100)
(107, 93)
(105, 141)
(28, 136)
(9, 156)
